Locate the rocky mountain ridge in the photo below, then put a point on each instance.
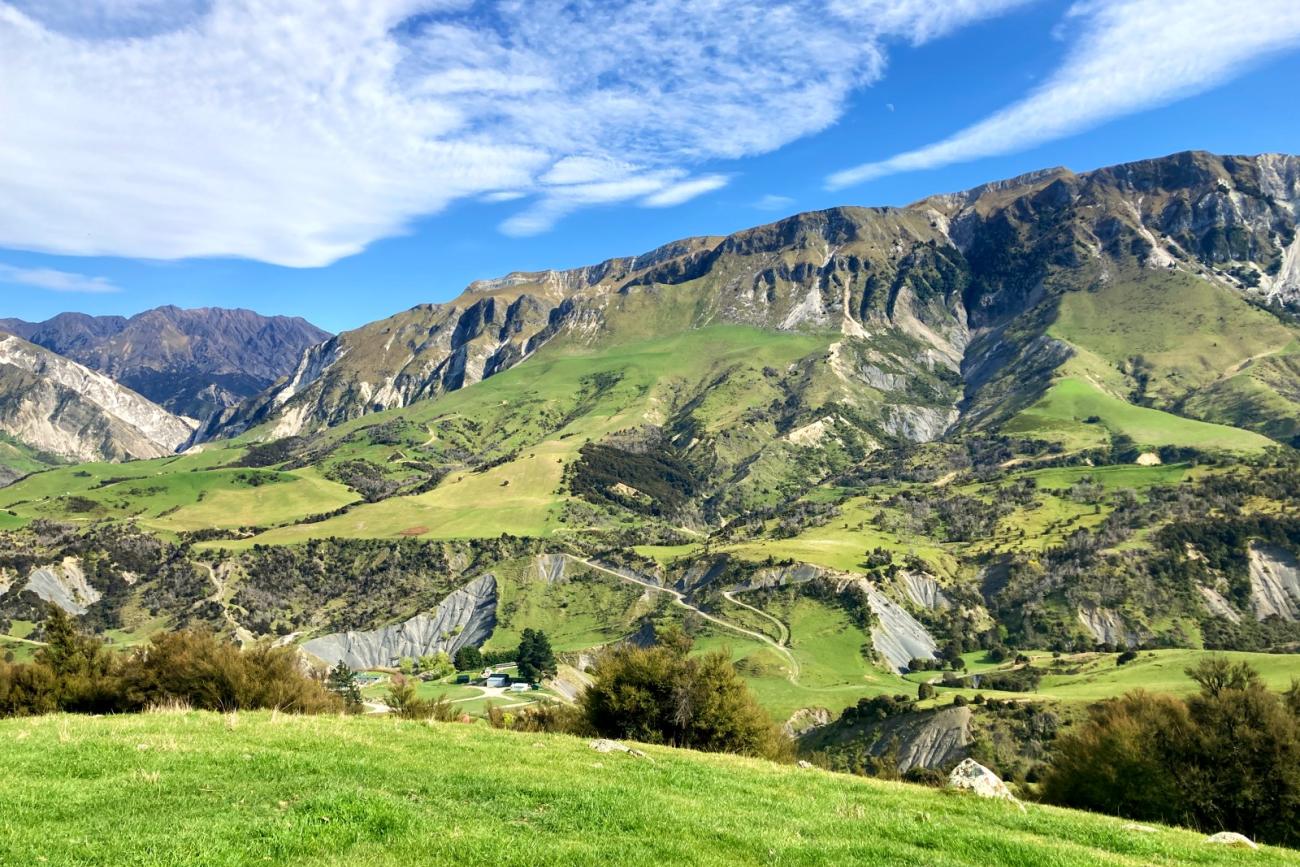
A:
(964, 283)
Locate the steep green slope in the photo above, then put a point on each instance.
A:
(258, 788)
(1080, 415)
(18, 459)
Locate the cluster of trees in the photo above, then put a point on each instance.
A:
(878, 708)
(468, 658)
(534, 659)
(663, 695)
(951, 517)
(78, 673)
(367, 478)
(1226, 758)
(667, 482)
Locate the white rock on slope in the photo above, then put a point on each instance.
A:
(971, 776)
(923, 590)
(64, 585)
(1233, 839)
(1274, 583)
(897, 635)
(465, 617)
(1108, 627)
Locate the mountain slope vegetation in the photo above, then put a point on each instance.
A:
(854, 448)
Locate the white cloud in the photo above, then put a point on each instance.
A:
(502, 196)
(1131, 55)
(297, 132)
(684, 191)
(55, 281)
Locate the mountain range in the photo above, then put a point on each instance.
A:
(978, 300)
(113, 388)
(190, 362)
(1057, 412)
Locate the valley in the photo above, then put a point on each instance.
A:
(1051, 420)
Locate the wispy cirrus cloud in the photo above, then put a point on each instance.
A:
(1129, 55)
(683, 191)
(53, 280)
(296, 132)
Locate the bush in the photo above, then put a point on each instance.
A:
(926, 777)
(660, 695)
(197, 668)
(924, 691)
(405, 704)
(1227, 758)
(77, 673)
(550, 717)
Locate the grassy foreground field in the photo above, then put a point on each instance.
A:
(201, 788)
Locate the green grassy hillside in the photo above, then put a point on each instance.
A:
(1081, 415)
(164, 789)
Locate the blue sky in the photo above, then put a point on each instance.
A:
(257, 153)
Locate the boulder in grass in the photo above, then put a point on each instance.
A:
(1233, 839)
(605, 745)
(971, 776)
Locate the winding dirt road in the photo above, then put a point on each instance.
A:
(680, 599)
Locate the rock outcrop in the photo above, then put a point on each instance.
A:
(896, 635)
(1108, 627)
(805, 719)
(1218, 605)
(923, 590)
(971, 776)
(465, 617)
(64, 585)
(1274, 583)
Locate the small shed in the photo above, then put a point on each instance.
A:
(498, 680)
(520, 687)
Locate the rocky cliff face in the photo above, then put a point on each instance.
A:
(1274, 583)
(954, 289)
(923, 739)
(466, 617)
(61, 407)
(191, 362)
